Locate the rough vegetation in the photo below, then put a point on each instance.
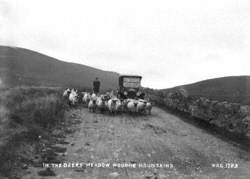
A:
(28, 115)
(232, 117)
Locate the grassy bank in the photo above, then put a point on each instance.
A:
(26, 114)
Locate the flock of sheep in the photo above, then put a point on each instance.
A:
(107, 102)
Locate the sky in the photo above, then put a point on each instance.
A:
(168, 42)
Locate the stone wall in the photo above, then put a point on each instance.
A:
(232, 117)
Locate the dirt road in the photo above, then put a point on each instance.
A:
(183, 150)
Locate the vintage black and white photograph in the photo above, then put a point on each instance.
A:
(132, 89)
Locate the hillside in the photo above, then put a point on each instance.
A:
(20, 66)
(232, 89)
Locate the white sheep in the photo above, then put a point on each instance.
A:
(148, 107)
(141, 106)
(86, 98)
(92, 105)
(113, 105)
(73, 97)
(101, 103)
(66, 93)
(132, 105)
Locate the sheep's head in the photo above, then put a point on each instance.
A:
(114, 101)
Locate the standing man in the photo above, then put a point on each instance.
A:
(96, 85)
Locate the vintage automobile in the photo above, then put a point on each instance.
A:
(130, 87)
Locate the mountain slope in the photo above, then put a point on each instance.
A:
(20, 66)
(232, 89)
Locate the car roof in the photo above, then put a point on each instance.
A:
(122, 76)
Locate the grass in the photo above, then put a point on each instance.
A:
(26, 113)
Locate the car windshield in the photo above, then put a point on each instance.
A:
(131, 82)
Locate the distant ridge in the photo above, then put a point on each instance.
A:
(231, 88)
(19, 66)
